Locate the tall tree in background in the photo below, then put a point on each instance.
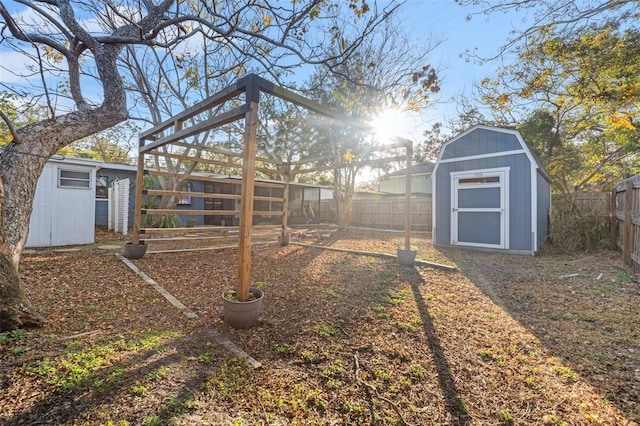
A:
(60, 38)
(114, 145)
(586, 90)
(573, 88)
(387, 73)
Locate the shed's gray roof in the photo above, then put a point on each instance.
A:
(416, 169)
(518, 136)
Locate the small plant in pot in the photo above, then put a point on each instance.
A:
(242, 314)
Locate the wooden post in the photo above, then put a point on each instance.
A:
(246, 203)
(407, 203)
(627, 233)
(137, 219)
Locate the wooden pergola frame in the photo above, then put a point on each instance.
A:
(251, 86)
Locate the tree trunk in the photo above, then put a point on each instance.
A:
(15, 309)
(21, 165)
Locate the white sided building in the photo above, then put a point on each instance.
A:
(64, 204)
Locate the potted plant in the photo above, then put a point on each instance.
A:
(242, 314)
(407, 256)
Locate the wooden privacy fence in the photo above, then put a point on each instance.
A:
(590, 203)
(626, 196)
(389, 213)
(594, 203)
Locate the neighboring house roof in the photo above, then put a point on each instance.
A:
(118, 166)
(416, 169)
(76, 161)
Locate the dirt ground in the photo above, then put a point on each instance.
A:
(343, 339)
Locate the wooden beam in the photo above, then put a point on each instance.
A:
(208, 149)
(216, 121)
(246, 205)
(203, 238)
(288, 95)
(208, 195)
(230, 180)
(160, 212)
(193, 159)
(225, 152)
(266, 213)
(201, 229)
(627, 233)
(357, 163)
(204, 105)
(207, 161)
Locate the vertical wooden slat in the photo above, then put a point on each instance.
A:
(137, 220)
(613, 210)
(627, 234)
(246, 203)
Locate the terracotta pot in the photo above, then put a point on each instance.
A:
(242, 314)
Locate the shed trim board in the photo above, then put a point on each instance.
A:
(502, 174)
(457, 162)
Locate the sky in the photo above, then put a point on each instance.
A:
(424, 20)
(446, 21)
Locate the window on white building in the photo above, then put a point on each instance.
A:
(74, 179)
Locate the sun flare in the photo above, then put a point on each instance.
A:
(387, 125)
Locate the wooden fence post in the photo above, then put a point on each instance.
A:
(627, 232)
(613, 214)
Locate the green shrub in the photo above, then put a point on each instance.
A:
(576, 232)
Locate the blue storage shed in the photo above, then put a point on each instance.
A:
(490, 191)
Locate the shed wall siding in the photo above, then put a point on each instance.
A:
(519, 196)
(62, 216)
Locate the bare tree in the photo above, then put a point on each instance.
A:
(66, 42)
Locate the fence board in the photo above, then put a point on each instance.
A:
(389, 213)
(626, 197)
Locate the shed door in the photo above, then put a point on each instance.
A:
(478, 214)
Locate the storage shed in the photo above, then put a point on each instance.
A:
(64, 204)
(490, 191)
